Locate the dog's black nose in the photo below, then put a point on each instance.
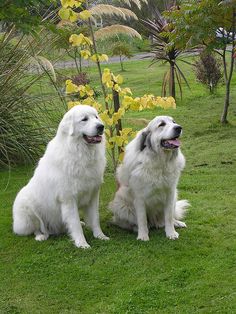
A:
(178, 129)
(100, 128)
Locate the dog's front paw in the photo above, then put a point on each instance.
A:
(82, 245)
(41, 237)
(172, 234)
(143, 237)
(179, 224)
(101, 236)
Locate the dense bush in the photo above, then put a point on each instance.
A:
(208, 70)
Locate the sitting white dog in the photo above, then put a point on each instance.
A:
(148, 177)
(67, 178)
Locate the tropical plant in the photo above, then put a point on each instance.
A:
(165, 52)
(123, 51)
(211, 23)
(208, 70)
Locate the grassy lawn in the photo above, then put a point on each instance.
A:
(195, 273)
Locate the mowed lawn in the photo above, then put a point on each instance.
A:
(194, 274)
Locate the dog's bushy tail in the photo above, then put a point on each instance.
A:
(122, 209)
(181, 209)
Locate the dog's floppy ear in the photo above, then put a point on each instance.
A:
(67, 124)
(145, 140)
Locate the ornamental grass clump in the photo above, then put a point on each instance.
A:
(26, 118)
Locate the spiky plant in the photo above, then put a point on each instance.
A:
(164, 51)
(26, 112)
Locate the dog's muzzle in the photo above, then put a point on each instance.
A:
(174, 142)
(96, 139)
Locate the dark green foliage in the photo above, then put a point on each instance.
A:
(25, 15)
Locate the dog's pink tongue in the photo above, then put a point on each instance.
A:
(174, 142)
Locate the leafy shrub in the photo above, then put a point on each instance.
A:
(122, 50)
(208, 70)
(80, 79)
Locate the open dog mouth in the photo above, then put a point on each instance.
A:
(171, 143)
(93, 139)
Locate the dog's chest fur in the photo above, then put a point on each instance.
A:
(153, 179)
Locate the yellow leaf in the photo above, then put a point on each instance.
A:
(117, 88)
(85, 54)
(103, 57)
(64, 13)
(109, 97)
(94, 58)
(121, 156)
(89, 91)
(118, 79)
(71, 104)
(73, 16)
(71, 88)
(84, 15)
(76, 40)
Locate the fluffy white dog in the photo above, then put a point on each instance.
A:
(67, 178)
(147, 178)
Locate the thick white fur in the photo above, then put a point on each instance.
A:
(67, 178)
(147, 178)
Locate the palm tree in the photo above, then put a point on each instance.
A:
(165, 51)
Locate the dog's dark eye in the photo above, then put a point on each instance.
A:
(96, 117)
(85, 119)
(173, 121)
(162, 124)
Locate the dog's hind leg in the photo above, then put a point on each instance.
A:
(41, 234)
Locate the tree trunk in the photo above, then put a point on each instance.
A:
(226, 104)
(98, 63)
(172, 80)
(227, 76)
(121, 64)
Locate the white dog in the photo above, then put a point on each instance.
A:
(67, 178)
(148, 177)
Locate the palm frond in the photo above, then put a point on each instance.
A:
(116, 30)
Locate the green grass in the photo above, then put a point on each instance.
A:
(195, 273)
